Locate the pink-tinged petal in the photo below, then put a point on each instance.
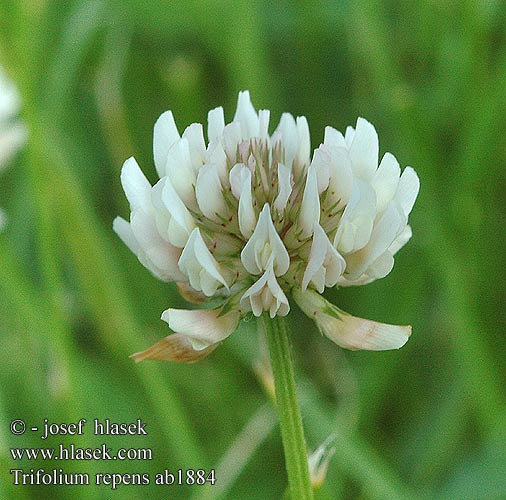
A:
(175, 347)
(265, 244)
(348, 331)
(137, 188)
(409, 185)
(165, 134)
(354, 333)
(203, 327)
(364, 150)
(190, 295)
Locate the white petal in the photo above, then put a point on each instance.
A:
(321, 165)
(348, 331)
(137, 188)
(209, 193)
(310, 205)
(245, 211)
(263, 245)
(345, 281)
(263, 123)
(287, 132)
(266, 295)
(348, 136)
(215, 124)
(356, 224)
(340, 178)
(246, 116)
(284, 188)
(388, 227)
(386, 180)
(154, 253)
(174, 221)
(333, 138)
(324, 262)
(237, 177)
(401, 240)
(122, 228)
(203, 327)
(304, 146)
(364, 150)
(407, 191)
(216, 155)
(181, 172)
(165, 134)
(381, 266)
(175, 347)
(200, 266)
(231, 140)
(194, 134)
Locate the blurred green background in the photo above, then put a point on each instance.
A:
(426, 422)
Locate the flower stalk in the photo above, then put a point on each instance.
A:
(292, 432)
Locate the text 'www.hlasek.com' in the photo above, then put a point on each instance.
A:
(79, 453)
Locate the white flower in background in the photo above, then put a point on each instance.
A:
(12, 131)
(318, 461)
(246, 220)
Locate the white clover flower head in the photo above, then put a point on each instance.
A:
(248, 218)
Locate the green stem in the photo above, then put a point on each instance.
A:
(290, 418)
